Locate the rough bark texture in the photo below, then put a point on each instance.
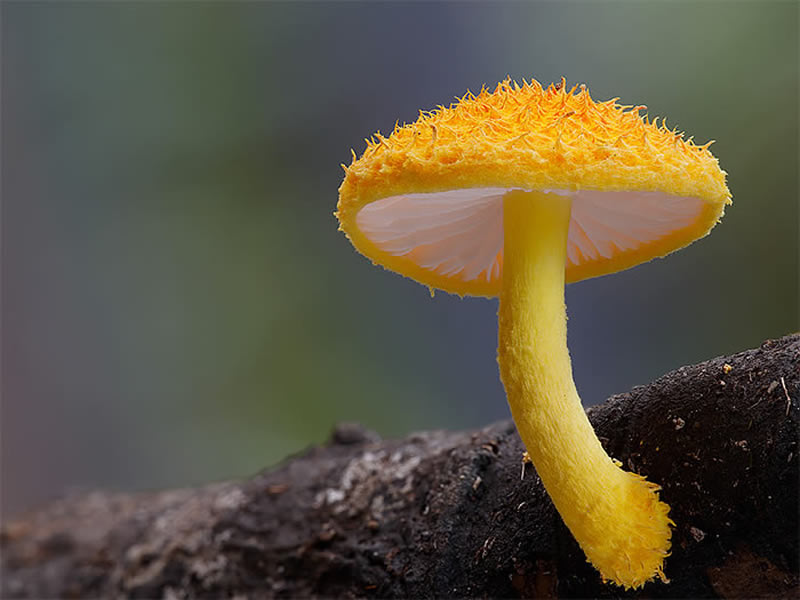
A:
(447, 514)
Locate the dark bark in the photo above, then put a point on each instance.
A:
(446, 514)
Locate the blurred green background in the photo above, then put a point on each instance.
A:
(178, 306)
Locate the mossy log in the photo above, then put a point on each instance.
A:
(453, 514)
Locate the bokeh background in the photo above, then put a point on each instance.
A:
(178, 306)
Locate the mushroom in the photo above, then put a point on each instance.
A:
(514, 193)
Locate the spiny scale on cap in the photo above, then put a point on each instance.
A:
(527, 135)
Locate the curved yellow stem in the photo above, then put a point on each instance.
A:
(615, 516)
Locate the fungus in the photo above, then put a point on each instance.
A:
(514, 193)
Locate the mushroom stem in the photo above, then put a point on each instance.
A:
(615, 516)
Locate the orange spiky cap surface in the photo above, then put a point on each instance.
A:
(640, 189)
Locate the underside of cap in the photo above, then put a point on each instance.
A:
(426, 202)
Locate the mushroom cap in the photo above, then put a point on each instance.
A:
(426, 201)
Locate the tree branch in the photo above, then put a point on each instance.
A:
(447, 514)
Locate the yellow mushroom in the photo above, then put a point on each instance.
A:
(514, 193)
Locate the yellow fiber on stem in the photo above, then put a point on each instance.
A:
(615, 516)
